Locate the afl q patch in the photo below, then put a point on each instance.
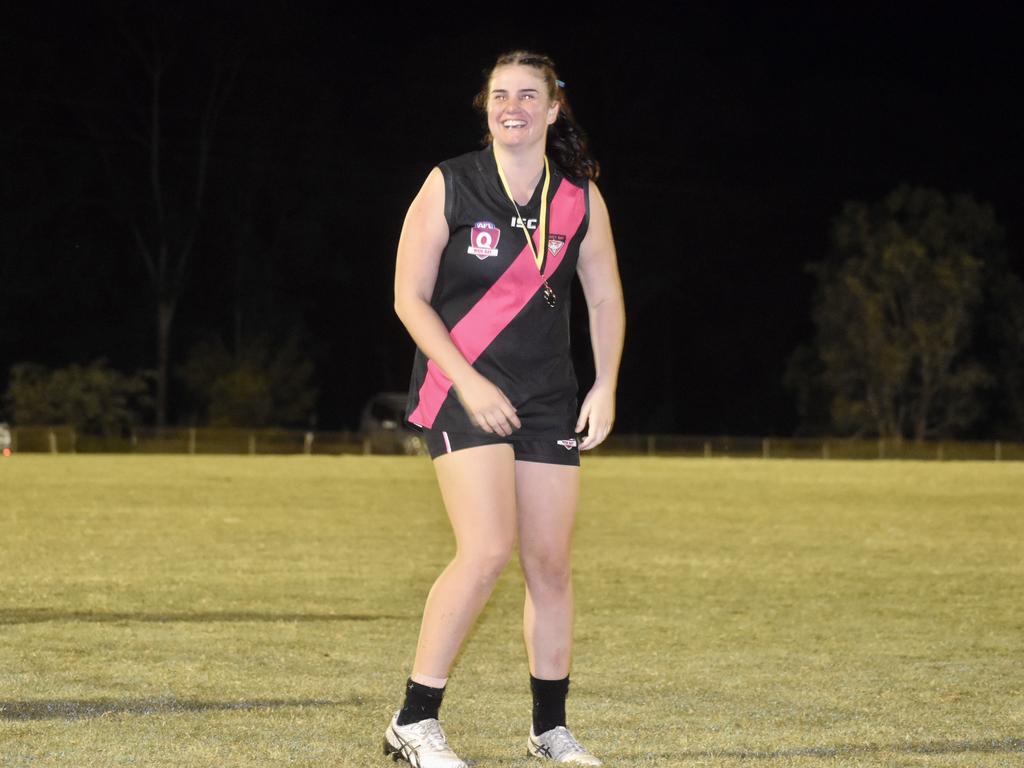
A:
(483, 240)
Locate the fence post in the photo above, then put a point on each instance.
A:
(707, 449)
(191, 441)
(766, 448)
(53, 441)
(252, 443)
(307, 446)
(999, 451)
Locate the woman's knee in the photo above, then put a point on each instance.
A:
(547, 570)
(486, 563)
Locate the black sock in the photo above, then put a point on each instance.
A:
(421, 702)
(548, 703)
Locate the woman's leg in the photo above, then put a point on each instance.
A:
(478, 486)
(547, 495)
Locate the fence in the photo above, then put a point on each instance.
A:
(187, 440)
(281, 441)
(810, 448)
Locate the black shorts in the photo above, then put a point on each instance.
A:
(548, 450)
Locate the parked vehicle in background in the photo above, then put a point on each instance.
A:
(383, 426)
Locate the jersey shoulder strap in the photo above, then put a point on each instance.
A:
(457, 172)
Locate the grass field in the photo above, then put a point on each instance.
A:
(263, 611)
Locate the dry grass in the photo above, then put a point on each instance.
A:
(258, 611)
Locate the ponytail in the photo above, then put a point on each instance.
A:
(569, 145)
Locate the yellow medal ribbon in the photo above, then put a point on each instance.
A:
(538, 255)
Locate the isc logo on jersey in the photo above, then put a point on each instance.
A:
(483, 240)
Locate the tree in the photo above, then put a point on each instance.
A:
(94, 399)
(895, 312)
(1004, 328)
(157, 157)
(266, 383)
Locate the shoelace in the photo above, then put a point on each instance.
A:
(565, 742)
(430, 731)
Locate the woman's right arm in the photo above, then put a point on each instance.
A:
(423, 240)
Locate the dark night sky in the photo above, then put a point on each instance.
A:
(728, 141)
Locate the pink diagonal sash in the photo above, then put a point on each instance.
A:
(502, 302)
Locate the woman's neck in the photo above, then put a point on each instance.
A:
(523, 169)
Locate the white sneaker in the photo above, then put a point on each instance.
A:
(422, 744)
(559, 745)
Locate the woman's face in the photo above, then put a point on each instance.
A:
(518, 108)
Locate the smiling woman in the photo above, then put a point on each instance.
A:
(565, 139)
(483, 277)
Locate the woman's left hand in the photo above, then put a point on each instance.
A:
(598, 413)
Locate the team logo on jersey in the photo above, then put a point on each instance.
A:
(483, 241)
(555, 243)
(568, 444)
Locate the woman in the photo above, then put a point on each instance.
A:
(493, 385)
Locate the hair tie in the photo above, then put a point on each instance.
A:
(559, 83)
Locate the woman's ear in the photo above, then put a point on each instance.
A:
(553, 111)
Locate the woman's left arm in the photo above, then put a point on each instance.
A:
(599, 275)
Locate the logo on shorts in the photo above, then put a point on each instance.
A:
(555, 243)
(483, 241)
(567, 444)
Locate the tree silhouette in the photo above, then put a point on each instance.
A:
(156, 151)
(266, 382)
(94, 398)
(896, 306)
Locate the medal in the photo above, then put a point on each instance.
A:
(539, 257)
(549, 295)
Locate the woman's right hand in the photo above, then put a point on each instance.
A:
(487, 406)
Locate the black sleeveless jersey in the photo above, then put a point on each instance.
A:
(489, 294)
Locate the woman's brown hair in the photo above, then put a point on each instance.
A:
(566, 140)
